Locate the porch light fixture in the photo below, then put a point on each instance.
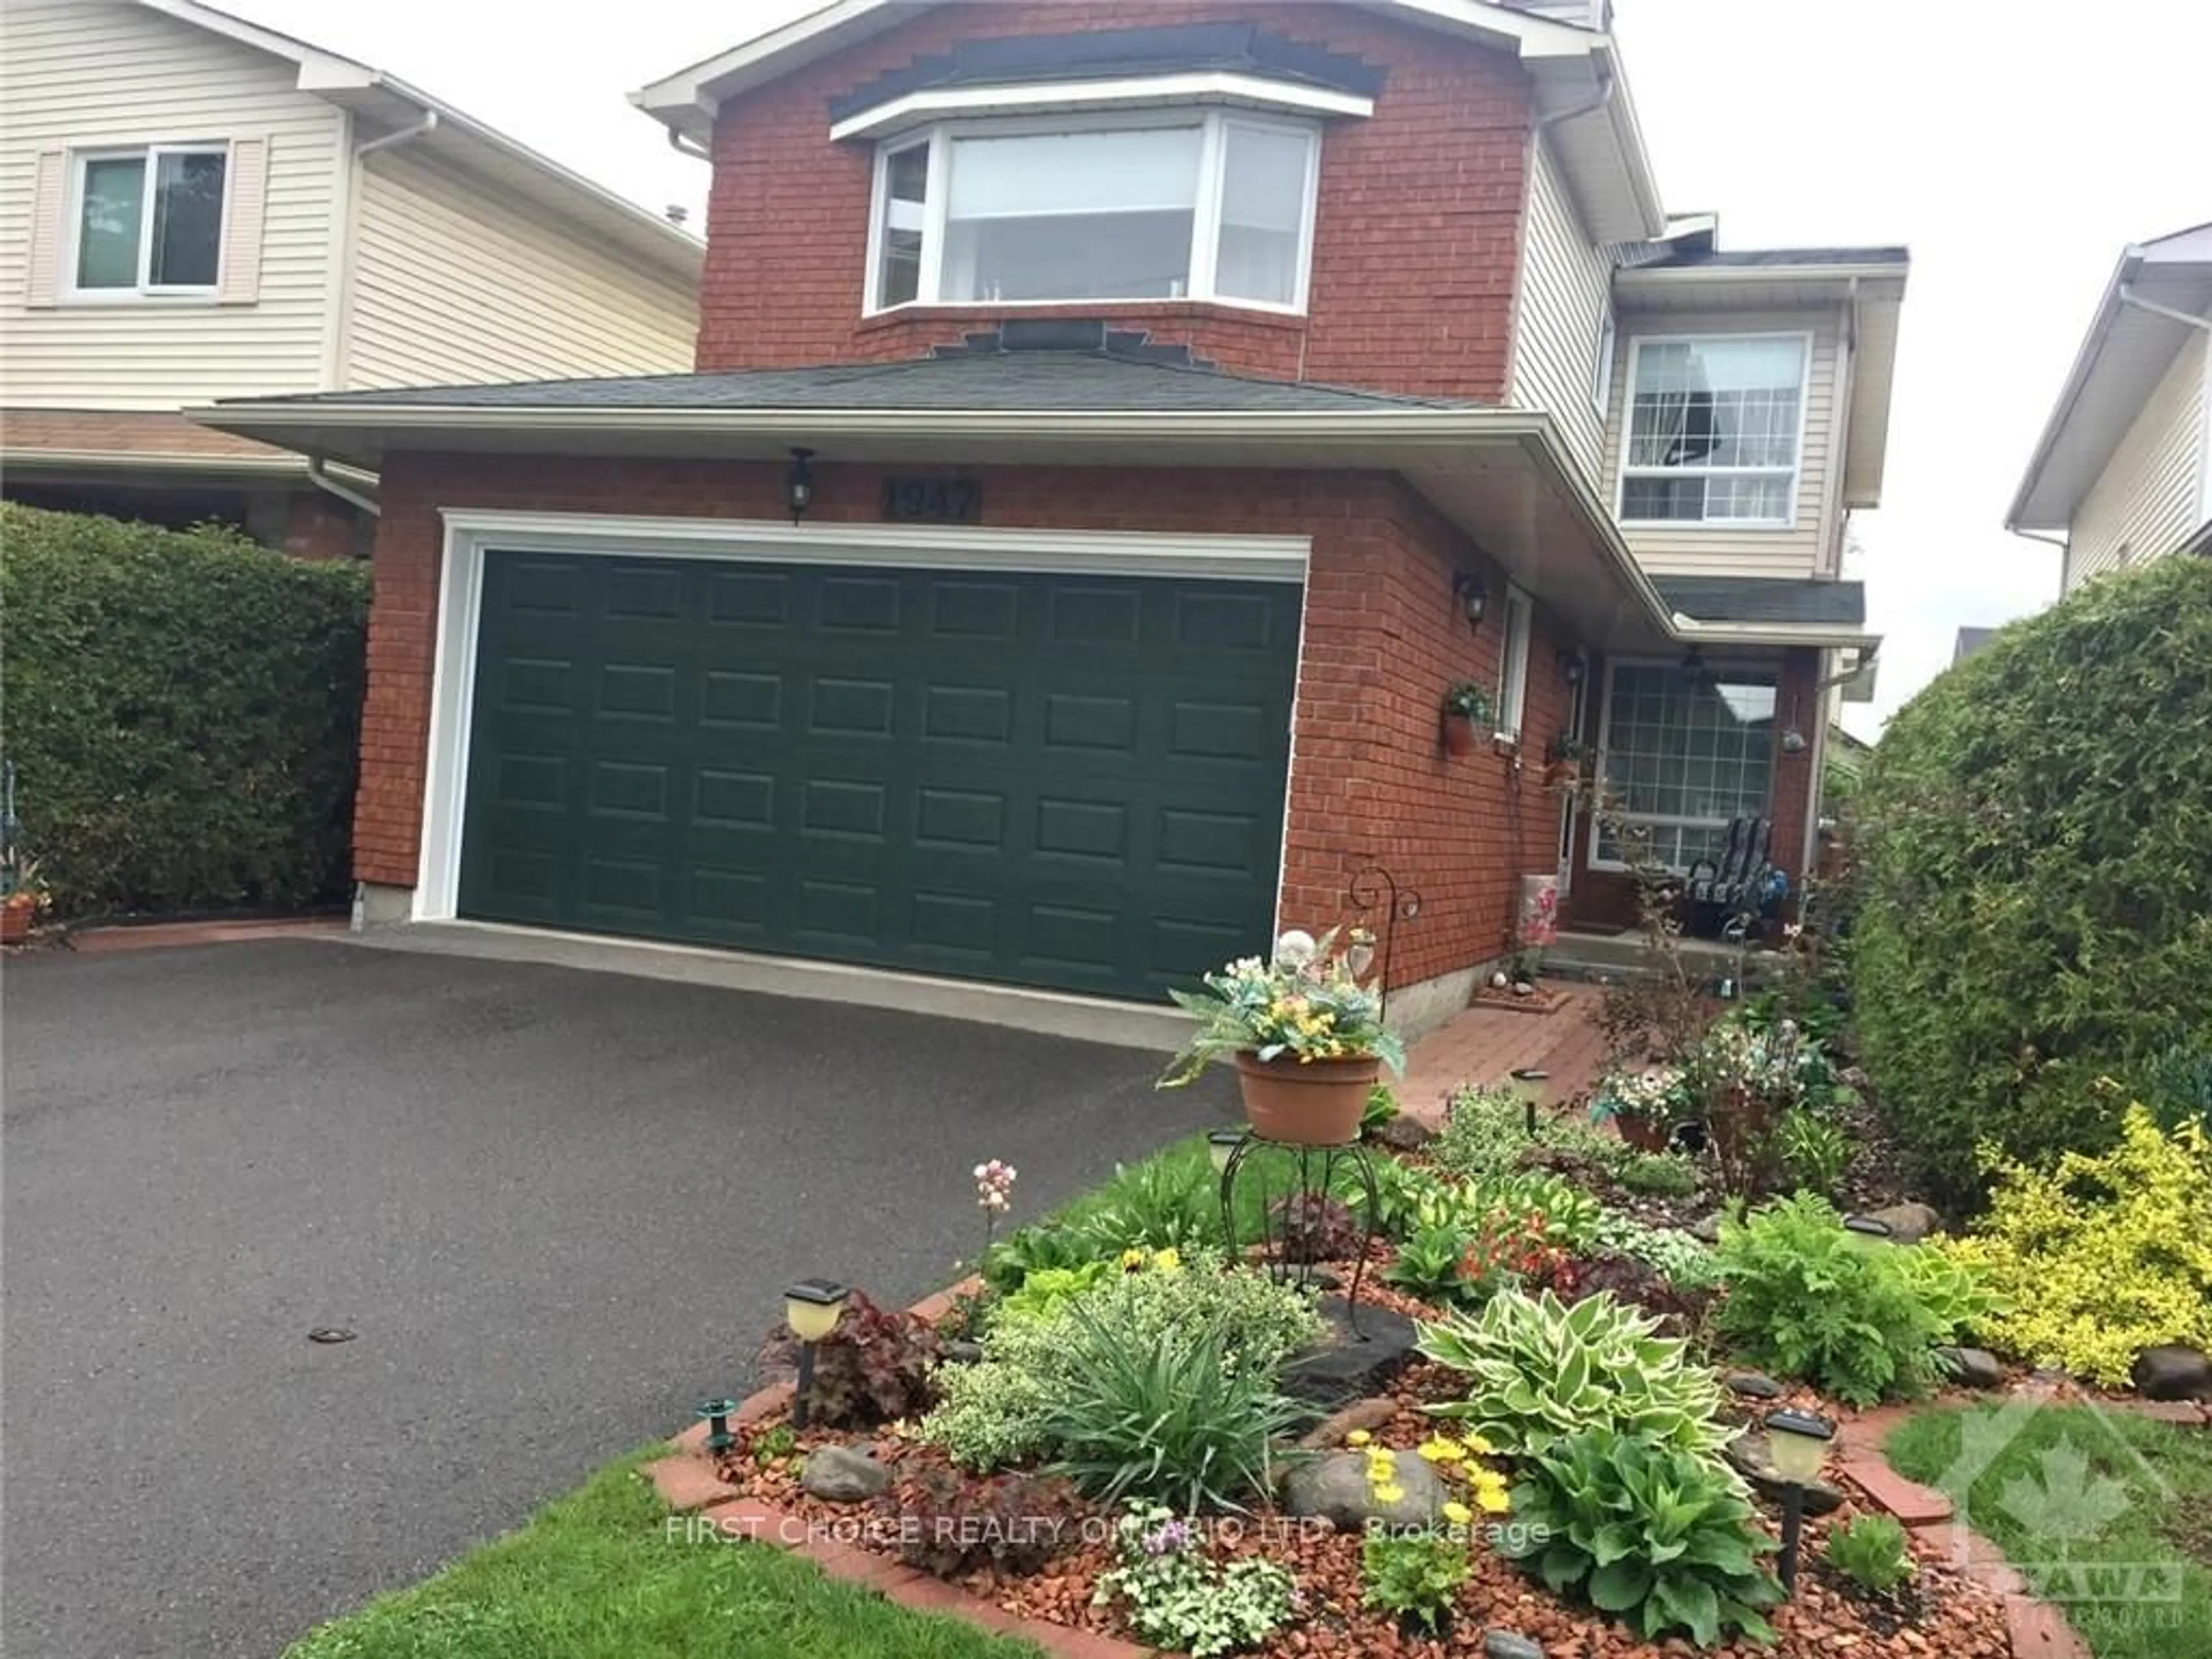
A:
(1219, 1144)
(1570, 667)
(811, 1308)
(716, 1414)
(1796, 1444)
(799, 483)
(1473, 598)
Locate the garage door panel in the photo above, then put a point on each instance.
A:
(1069, 781)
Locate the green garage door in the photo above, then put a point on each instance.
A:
(1073, 781)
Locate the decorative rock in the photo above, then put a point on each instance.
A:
(1748, 1454)
(1369, 1414)
(961, 1352)
(2173, 1370)
(1499, 981)
(1909, 1223)
(1510, 1645)
(1404, 1133)
(1973, 1368)
(1336, 1488)
(1342, 1366)
(1708, 1230)
(840, 1474)
(1523, 987)
(1754, 1385)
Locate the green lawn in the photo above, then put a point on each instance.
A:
(2108, 1513)
(598, 1575)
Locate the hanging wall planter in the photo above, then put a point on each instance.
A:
(1466, 715)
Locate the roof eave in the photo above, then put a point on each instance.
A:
(2026, 513)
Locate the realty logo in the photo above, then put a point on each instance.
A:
(2063, 1504)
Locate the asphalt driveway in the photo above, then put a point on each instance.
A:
(557, 1206)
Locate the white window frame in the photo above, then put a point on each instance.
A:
(1804, 340)
(148, 157)
(1212, 125)
(1608, 347)
(1520, 624)
(1613, 666)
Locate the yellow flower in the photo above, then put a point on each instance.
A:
(1438, 1449)
(1167, 1260)
(1132, 1260)
(1358, 1437)
(1493, 1500)
(1390, 1494)
(1458, 1514)
(1477, 1446)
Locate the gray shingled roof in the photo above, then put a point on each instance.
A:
(1688, 260)
(1035, 380)
(1764, 600)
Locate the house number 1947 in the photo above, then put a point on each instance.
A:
(935, 500)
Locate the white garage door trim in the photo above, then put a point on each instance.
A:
(471, 533)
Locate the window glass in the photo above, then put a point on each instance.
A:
(1712, 430)
(187, 235)
(1263, 211)
(113, 204)
(906, 196)
(1086, 215)
(1685, 756)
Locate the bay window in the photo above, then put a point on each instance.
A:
(149, 220)
(1713, 430)
(1214, 206)
(1684, 756)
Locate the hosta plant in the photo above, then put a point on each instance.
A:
(1808, 1299)
(1655, 1535)
(1427, 1264)
(1567, 1216)
(1870, 1550)
(1538, 1370)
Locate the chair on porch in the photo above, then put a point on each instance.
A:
(1729, 899)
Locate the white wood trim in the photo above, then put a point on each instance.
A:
(1128, 92)
(471, 533)
(1513, 664)
(1806, 340)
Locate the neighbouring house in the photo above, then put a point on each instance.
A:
(1114, 430)
(199, 208)
(1969, 641)
(2123, 473)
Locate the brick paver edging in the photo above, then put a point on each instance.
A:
(689, 1484)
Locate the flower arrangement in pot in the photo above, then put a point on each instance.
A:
(1566, 759)
(1307, 1039)
(1466, 715)
(22, 895)
(1644, 1106)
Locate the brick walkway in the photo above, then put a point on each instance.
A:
(1482, 1044)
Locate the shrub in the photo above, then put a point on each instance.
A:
(1659, 1174)
(1179, 1597)
(1414, 1574)
(948, 1525)
(1044, 1288)
(1485, 1133)
(873, 1367)
(1679, 1311)
(1537, 1370)
(1569, 1215)
(995, 1413)
(1408, 1196)
(1042, 1246)
(2099, 1258)
(1658, 1535)
(1811, 1301)
(2035, 893)
(2176, 1083)
(1427, 1264)
(1870, 1550)
(1813, 1151)
(1685, 1262)
(1161, 1204)
(184, 710)
(1313, 1227)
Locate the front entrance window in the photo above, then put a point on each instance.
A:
(1683, 756)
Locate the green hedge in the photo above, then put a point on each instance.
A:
(2035, 860)
(183, 708)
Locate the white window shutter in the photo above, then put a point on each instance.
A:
(49, 205)
(247, 187)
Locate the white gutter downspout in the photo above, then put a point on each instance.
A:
(322, 480)
(683, 146)
(405, 135)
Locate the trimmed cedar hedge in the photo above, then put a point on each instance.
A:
(2034, 924)
(183, 708)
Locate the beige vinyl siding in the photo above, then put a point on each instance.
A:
(1559, 314)
(1801, 549)
(450, 284)
(83, 74)
(2149, 497)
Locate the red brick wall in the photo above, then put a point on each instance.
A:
(1416, 239)
(1382, 639)
(317, 525)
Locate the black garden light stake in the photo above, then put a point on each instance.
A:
(1220, 1144)
(811, 1308)
(716, 1414)
(1529, 1083)
(1797, 1445)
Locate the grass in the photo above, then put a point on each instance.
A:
(2107, 1513)
(598, 1575)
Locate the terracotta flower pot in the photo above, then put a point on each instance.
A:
(16, 920)
(1459, 735)
(1315, 1104)
(1644, 1136)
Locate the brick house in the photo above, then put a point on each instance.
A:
(1115, 428)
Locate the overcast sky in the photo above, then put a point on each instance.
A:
(2015, 158)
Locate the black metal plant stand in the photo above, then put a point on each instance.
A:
(1330, 1159)
(1376, 888)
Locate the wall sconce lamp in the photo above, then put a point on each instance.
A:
(811, 1308)
(1572, 667)
(1797, 1445)
(1473, 598)
(799, 483)
(1793, 742)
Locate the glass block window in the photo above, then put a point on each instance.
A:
(1713, 431)
(1685, 756)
